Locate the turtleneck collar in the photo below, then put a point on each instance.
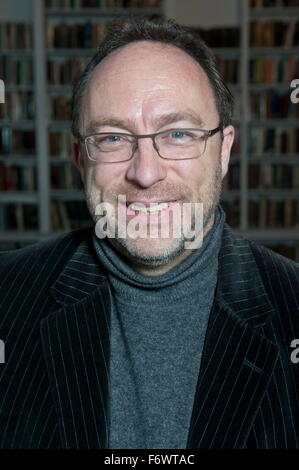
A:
(119, 268)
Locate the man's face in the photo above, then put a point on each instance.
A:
(143, 88)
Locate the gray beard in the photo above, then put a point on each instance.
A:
(127, 248)
(132, 253)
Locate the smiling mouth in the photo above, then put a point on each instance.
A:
(149, 208)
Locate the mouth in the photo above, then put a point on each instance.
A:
(149, 208)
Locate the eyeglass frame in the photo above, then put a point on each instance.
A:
(207, 134)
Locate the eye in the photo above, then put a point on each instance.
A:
(177, 137)
(178, 134)
(109, 141)
(111, 138)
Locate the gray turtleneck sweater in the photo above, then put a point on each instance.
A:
(158, 327)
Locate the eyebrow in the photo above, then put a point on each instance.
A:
(161, 121)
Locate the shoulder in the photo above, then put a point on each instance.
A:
(273, 261)
(265, 258)
(280, 275)
(47, 255)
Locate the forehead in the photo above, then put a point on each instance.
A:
(148, 75)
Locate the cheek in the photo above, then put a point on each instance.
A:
(191, 172)
(200, 174)
(103, 176)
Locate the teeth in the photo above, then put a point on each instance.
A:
(149, 209)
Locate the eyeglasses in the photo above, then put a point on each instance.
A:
(171, 144)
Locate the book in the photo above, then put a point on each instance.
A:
(16, 35)
(17, 178)
(16, 141)
(16, 70)
(18, 217)
(273, 33)
(273, 141)
(271, 213)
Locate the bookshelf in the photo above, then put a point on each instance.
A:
(259, 60)
(271, 126)
(40, 190)
(73, 31)
(18, 161)
(225, 43)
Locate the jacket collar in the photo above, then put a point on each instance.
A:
(236, 365)
(239, 352)
(239, 287)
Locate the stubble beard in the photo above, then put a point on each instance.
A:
(130, 248)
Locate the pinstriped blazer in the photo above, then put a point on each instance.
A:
(54, 319)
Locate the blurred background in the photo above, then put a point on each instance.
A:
(44, 46)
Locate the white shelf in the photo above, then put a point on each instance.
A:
(63, 195)
(16, 52)
(21, 160)
(17, 88)
(277, 51)
(268, 13)
(26, 197)
(65, 90)
(286, 122)
(21, 124)
(99, 13)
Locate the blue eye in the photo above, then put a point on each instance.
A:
(113, 138)
(178, 134)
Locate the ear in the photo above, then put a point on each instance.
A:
(227, 142)
(78, 158)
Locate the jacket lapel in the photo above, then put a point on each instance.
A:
(75, 340)
(236, 365)
(238, 358)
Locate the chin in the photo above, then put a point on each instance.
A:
(149, 252)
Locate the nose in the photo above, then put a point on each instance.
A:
(146, 168)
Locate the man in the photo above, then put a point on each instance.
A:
(118, 339)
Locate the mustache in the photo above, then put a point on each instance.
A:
(164, 192)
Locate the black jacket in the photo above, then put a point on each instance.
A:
(54, 320)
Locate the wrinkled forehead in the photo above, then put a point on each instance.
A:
(150, 59)
(147, 72)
